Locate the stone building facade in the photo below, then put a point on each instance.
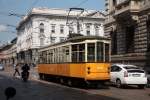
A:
(43, 26)
(128, 26)
(8, 53)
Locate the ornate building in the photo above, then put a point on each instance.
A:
(43, 26)
(8, 53)
(128, 25)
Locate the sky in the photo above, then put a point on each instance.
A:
(9, 22)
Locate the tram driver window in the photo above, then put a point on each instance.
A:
(100, 54)
(91, 52)
(106, 52)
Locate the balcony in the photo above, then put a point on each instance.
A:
(127, 8)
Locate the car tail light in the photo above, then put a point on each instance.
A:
(125, 74)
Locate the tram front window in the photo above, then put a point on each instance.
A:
(106, 52)
(82, 52)
(91, 52)
(100, 53)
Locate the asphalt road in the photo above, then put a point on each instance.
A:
(36, 89)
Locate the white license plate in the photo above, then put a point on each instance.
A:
(136, 75)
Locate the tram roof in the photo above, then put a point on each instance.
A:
(79, 39)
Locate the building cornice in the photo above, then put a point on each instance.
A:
(36, 13)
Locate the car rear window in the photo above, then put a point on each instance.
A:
(135, 71)
(131, 67)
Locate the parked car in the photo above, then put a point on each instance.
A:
(1, 67)
(122, 74)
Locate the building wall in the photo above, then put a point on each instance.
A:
(8, 53)
(138, 53)
(30, 38)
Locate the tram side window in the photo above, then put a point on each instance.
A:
(100, 54)
(78, 53)
(91, 52)
(65, 54)
(55, 56)
(51, 56)
(40, 58)
(60, 55)
(43, 57)
(48, 56)
(106, 52)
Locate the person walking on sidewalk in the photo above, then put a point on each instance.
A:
(16, 67)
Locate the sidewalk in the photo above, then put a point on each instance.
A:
(9, 71)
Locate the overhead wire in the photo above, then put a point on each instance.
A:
(81, 3)
(77, 6)
(32, 5)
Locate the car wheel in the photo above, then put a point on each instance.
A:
(141, 86)
(118, 83)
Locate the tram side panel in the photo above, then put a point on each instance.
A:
(77, 70)
(47, 69)
(63, 70)
(67, 70)
(86, 71)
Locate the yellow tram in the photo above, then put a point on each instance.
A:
(76, 60)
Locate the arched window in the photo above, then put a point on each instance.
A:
(41, 27)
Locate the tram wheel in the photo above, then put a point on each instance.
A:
(41, 76)
(69, 82)
(61, 81)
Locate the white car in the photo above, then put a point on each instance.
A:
(1, 67)
(122, 74)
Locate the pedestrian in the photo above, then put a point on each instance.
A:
(25, 67)
(25, 72)
(16, 70)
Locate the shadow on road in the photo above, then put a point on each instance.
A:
(129, 87)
